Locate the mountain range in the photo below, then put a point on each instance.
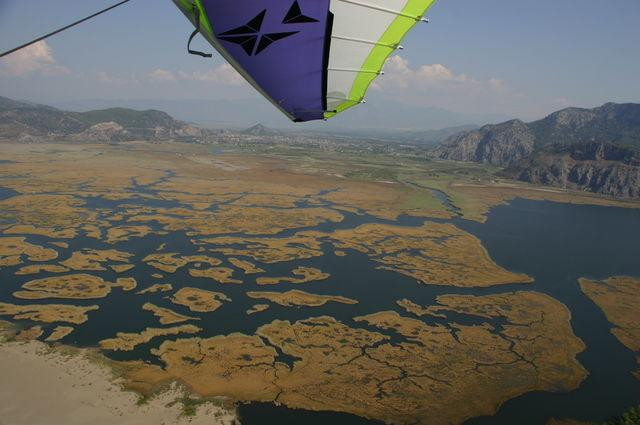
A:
(595, 150)
(588, 149)
(33, 122)
(377, 115)
(30, 121)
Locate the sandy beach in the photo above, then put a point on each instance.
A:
(41, 385)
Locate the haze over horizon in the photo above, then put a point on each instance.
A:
(482, 62)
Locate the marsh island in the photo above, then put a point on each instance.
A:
(286, 279)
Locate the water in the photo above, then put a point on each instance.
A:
(554, 243)
(444, 199)
(268, 413)
(6, 193)
(557, 244)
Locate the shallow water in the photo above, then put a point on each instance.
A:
(444, 199)
(6, 193)
(554, 243)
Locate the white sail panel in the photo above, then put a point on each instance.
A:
(356, 29)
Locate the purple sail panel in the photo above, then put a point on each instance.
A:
(281, 45)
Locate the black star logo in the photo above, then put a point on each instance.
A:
(295, 16)
(251, 38)
(248, 36)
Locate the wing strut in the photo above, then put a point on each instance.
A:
(8, 52)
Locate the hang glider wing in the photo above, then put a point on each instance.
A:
(311, 58)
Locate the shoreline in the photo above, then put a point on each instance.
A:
(60, 385)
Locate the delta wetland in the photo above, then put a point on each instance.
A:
(374, 288)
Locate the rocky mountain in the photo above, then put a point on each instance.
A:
(611, 122)
(33, 122)
(260, 130)
(594, 166)
(507, 143)
(587, 149)
(499, 144)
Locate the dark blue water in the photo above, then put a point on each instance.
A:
(554, 243)
(6, 193)
(268, 413)
(557, 244)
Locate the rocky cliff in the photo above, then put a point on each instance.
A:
(506, 143)
(596, 167)
(499, 144)
(587, 149)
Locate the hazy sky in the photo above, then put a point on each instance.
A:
(508, 57)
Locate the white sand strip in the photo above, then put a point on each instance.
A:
(40, 386)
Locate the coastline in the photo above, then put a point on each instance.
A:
(59, 385)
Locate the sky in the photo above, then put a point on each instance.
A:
(503, 57)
